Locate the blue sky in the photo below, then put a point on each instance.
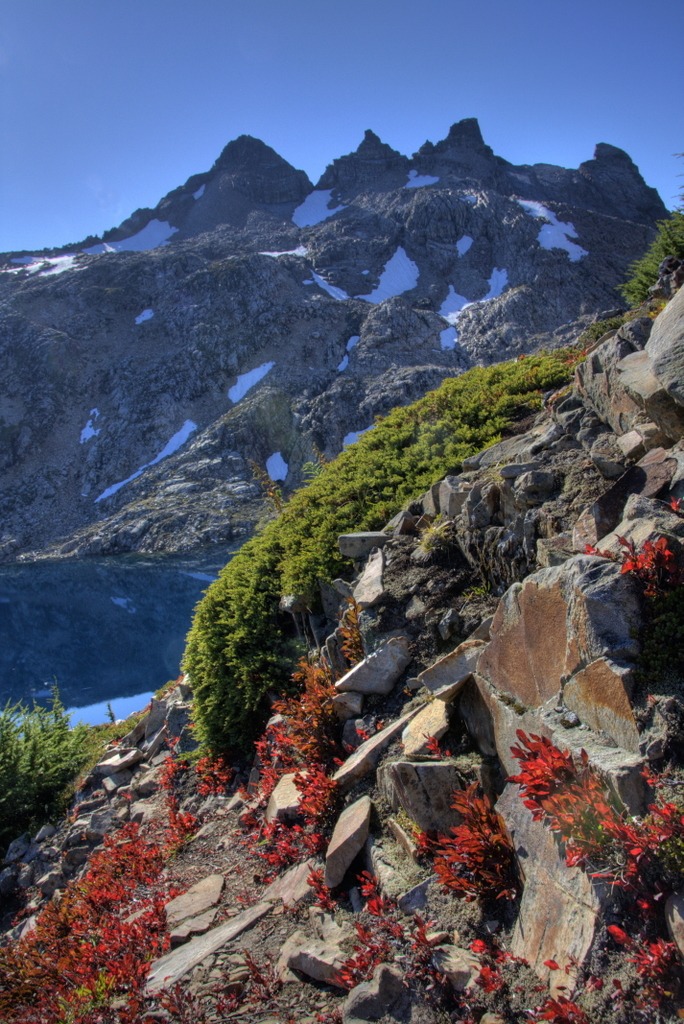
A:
(106, 105)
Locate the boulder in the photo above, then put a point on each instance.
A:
(424, 790)
(600, 694)
(119, 762)
(674, 915)
(665, 347)
(292, 886)
(560, 906)
(429, 724)
(460, 966)
(359, 545)
(370, 589)
(447, 675)
(347, 705)
(283, 804)
(385, 996)
(587, 609)
(379, 671)
(348, 838)
(319, 959)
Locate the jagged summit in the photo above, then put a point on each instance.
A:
(251, 316)
(373, 165)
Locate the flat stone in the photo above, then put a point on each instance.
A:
(111, 783)
(283, 804)
(193, 926)
(588, 609)
(292, 886)
(119, 762)
(370, 588)
(424, 790)
(173, 966)
(196, 900)
(365, 758)
(560, 906)
(416, 898)
(453, 491)
(429, 724)
(347, 705)
(379, 672)
(601, 695)
(639, 380)
(447, 675)
(359, 545)
(349, 835)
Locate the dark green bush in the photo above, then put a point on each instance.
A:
(644, 271)
(237, 650)
(39, 757)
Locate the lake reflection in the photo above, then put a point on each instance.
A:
(99, 629)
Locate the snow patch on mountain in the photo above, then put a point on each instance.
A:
(315, 209)
(146, 314)
(178, 439)
(416, 180)
(463, 245)
(301, 250)
(90, 430)
(556, 234)
(155, 233)
(399, 275)
(247, 380)
(354, 435)
(452, 305)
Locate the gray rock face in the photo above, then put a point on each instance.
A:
(248, 318)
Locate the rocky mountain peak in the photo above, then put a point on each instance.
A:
(614, 175)
(463, 152)
(373, 165)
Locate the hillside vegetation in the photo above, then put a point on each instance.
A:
(238, 649)
(644, 271)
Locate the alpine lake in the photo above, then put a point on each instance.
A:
(107, 633)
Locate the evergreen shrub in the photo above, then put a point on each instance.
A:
(238, 650)
(644, 272)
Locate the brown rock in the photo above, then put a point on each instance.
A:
(385, 996)
(365, 758)
(430, 723)
(674, 915)
(459, 965)
(370, 588)
(600, 694)
(424, 790)
(283, 804)
(557, 621)
(447, 675)
(349, 835)
(560, 906)
(291, 887)
(379, 671)
(199, 898)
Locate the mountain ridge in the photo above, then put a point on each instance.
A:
(433, 263)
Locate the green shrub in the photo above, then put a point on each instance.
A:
(40, 755)
(644, 271)
(237, 649)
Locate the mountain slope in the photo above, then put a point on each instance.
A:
(249, 317)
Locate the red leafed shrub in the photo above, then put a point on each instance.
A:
(322, 893)
(599, 835)
(213, 774)
(85, 951)
(654, 564)
(312, 726)
(560, 1011)
(476, 860)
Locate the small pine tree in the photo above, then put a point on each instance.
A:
(644, 272)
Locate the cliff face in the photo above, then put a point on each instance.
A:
(251, 317)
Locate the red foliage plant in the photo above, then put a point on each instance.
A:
(654, 564)
(599, 835)
(84, 951)
(476, 860)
